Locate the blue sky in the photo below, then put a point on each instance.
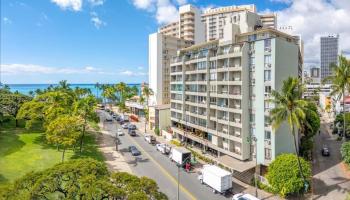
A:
(87, 41)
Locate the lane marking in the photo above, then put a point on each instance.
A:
(165, 171)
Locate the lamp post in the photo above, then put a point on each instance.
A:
(178, 177)
(256, 164)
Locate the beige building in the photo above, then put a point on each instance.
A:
(245, 16)
(220, 94)
(188, 27)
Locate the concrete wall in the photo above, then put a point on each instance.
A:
(155, 68)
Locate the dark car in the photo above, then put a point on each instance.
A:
(134, 151)
(132, 132)
(132, 126)
(325, 151)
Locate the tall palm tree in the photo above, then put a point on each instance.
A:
(289, 107)
(147, 92)
(98, 87)
(340, 80)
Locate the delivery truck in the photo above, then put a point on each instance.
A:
(180, 155)
(218, 179)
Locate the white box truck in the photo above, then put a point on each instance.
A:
(180, 155)
(218, 179)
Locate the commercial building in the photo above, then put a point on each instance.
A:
(220, 94)
(328, 54)
(189, 26)
(245, 16)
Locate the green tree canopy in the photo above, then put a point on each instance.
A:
(82, 179)
(345, 152)
(284, 177)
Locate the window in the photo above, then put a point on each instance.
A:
(268, 89)
(213, 76)
(212, 100)
(212, 65)
(226, 62)
(267, 44)
(267, 135)
(267, 60)
(267, 153)
(213, 88)
(267, 75)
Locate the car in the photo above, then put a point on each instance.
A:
(109, 119)
(150, 139)
(134, 151)
(120, 132)
(115, 116)
(242, 196)
(163, 148)
(325, 151)
(125, 126)
(132, 132)
(132, 126)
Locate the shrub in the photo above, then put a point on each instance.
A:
(345, 152)
(157, 131)
(284, 177)
(176, 143)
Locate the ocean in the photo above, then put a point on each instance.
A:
(26, 88)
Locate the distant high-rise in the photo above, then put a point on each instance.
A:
(329, 54)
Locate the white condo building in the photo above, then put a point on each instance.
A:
(220, 92)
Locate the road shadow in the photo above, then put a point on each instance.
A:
(136, 160)
(323, 189)
(10, 142)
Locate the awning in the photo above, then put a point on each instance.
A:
(235, 164)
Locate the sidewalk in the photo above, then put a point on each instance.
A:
(114, 159)
(238, 186)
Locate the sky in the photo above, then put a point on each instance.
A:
(106, 41)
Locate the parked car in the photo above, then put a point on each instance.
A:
(163, 148)
(134, 151)
(125, 126)
(241, 196)
(132, 132)
(120, 132)
(132, 126)
(325, 151)
(108, 119)
(115, 116)
(150, 139)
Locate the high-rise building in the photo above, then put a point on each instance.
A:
(220, 94)
(329, 54)
(188, 27)
(243, 15)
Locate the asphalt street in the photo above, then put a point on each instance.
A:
(158, 167)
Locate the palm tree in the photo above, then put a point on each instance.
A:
(289, 107)
(109, 93)
(340, 80)
(98, 87)
(64, 85)
(147, 92)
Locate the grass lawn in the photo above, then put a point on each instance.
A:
(23, 151)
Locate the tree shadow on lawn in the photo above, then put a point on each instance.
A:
(10, 142)
(90, 149)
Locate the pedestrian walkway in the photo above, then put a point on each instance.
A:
(114, 159)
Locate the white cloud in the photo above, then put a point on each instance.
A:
(6, 20)
(74, 5)
(316, 18)
(282, 1)
(96, 20)
(96, 2)
(132, 73)
(39, 69)
(165, 11)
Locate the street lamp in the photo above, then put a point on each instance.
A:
(178, 176)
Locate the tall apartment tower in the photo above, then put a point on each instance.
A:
(220, 94)
(329, 54)
(245, 15)
(189, 26)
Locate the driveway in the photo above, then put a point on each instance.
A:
(329, 178)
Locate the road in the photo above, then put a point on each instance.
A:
(158, 167)
(329, 179)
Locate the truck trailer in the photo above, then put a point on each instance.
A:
(218, 179)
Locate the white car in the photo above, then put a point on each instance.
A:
(125, 126)
(150, 139)
(120, 132)
(163, 148)
(241, 196)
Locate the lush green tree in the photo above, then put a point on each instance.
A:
(109, 92)
(289, 107)
(339, 123)
(81, 179)
(64, 131)
(10, 103)
(81, 92)
(340, 82)
(284, 177)
(85, 109)
(345, 152)
(147, 92)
